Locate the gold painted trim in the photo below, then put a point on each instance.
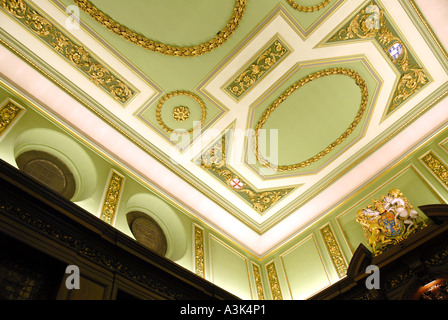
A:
(332, 245)
(75, 54)
(258, 282)
(273, 280)
(299, 7)
(111, 197)
(436, 166)
(199, 252)
(154, 46)
(10, 112)
(320, 74)
(180, 93)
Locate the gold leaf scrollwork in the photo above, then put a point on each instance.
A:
(199, 251)
(437, 167)
(317, 75)
(154, 46)
(274, 282)
(316, 7)
(74, 53)
(112, 197)
(257, 69)
(413, 76)
(214, 160)
(8, 114)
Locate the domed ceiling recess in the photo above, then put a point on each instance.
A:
(256, 116)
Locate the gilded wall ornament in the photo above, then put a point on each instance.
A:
(180, 93)
(75, 54)
(437, 167)
(274, 283)
(199, 253)
(316, 7)
(389, 221)
(372, 23)
(258, 282)
(317, 75)
(335, 251)
(214, 161)
(181, 113)
(154, 46)
(112, 198)
(258, 68)
(9, 113)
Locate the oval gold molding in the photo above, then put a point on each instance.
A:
(320, 74)
(142, 41)
(299, 7)
(180, 93)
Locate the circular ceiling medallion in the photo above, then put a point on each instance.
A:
(320, 74)
(148, 232)
(181, 113)
(180, 93)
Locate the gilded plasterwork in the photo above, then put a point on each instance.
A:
(174, 94)
(372, 23)
(199, 253)
(317, 75)
(181, 113)
(316, 7)
(274, 283)
(437, 167)
(388, 221)
(171, 50)
(112, 198)
(335, 251)
(258, 68)
(74, 53)
(8, 114)
(258, 282)
(214, 161)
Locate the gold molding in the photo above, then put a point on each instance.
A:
(174, 94)
(9, 113)
(328, 72)
(258, 282)
(316, 7)
(199, 252)
(334, 250)
(274, 283)
(76, 54)
(437, 167)
(112, 197)
(154, 46)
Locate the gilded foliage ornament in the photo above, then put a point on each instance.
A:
(214, 160)
(389, 221)
(258, 68)
(371, 23)
(77, 55)
(180, 112)
(155, 46)
(302, 8)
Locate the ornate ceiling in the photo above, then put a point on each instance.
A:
(255, 116)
